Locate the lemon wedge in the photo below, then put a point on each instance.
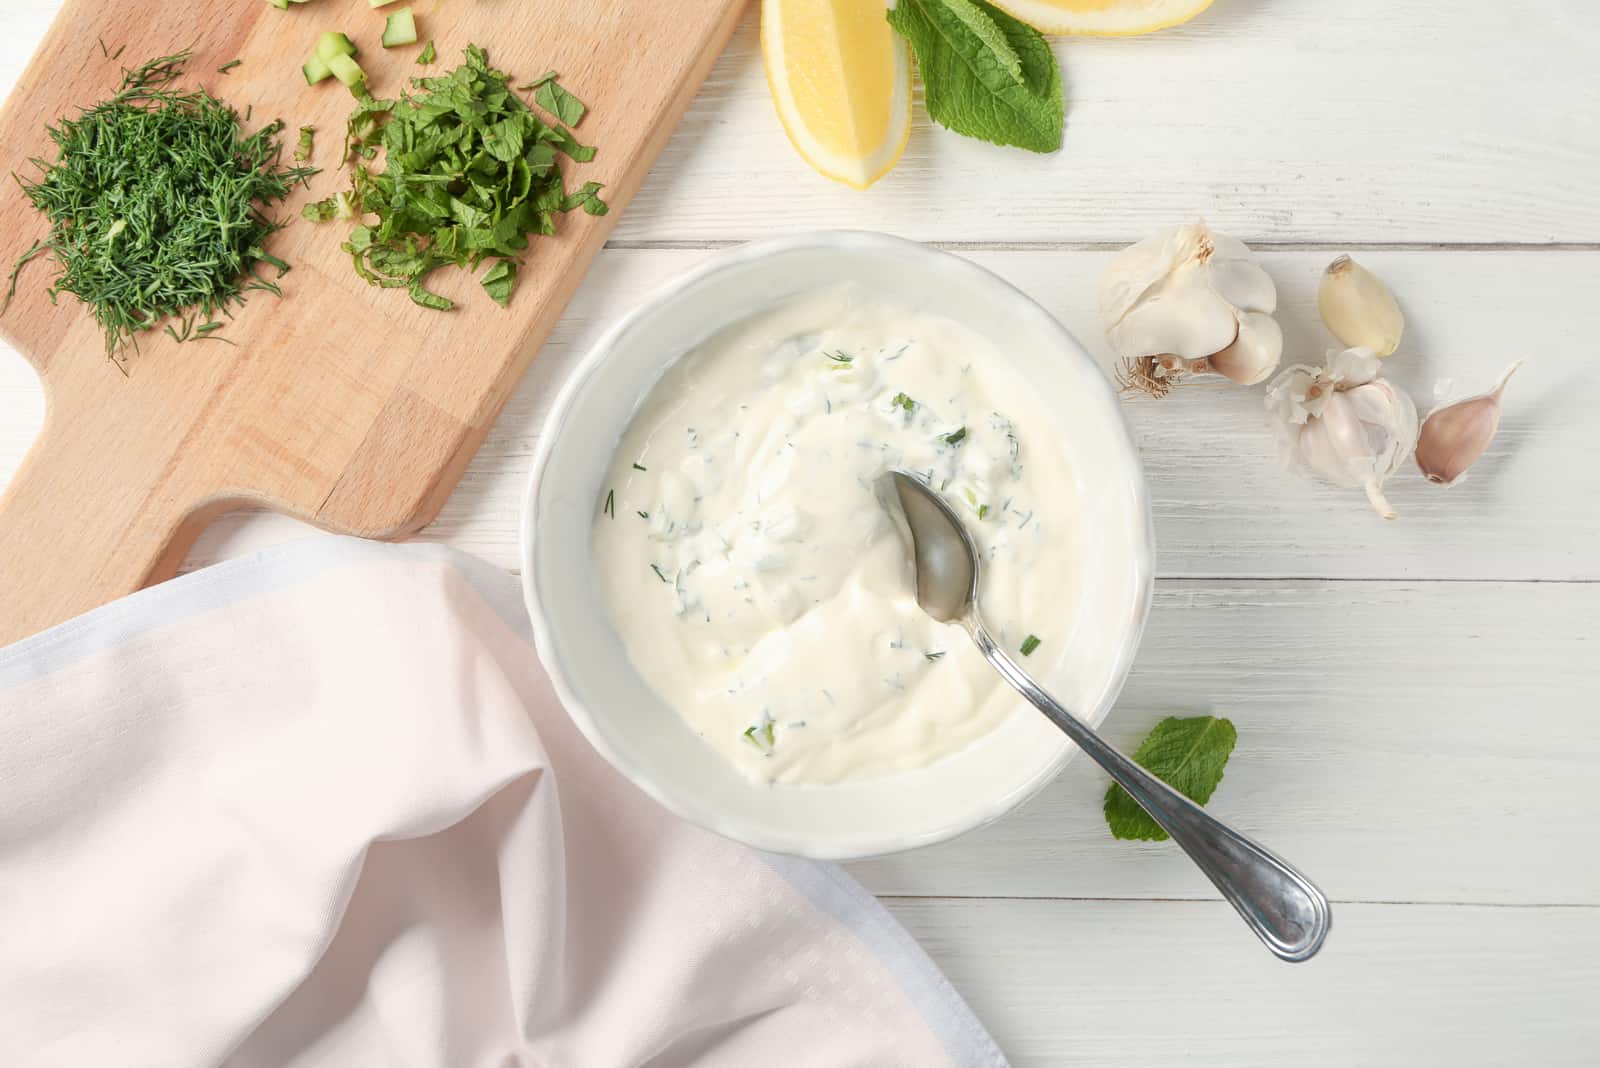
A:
(1103, 18)
(841, 81)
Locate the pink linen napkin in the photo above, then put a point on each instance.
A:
(320, 807)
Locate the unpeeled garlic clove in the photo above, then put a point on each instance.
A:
(1255, 352)
(1344, 422)
(1455, 435)
(1358, 308)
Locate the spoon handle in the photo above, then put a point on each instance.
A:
(1283, 907)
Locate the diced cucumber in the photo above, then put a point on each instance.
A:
(401, 29)
(347, 70)
(281, 5)
(333, 43)
(315, 69)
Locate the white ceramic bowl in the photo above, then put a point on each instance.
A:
(643, 737)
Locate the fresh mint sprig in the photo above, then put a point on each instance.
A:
(1188, 754)
(985, 74)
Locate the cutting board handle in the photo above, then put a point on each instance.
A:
(65, 549)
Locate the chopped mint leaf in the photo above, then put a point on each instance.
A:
(984, 73)
(427, 55)
(558, 102)
(499, 280)
(1029, 644)
(903, 401)
(1188, 754)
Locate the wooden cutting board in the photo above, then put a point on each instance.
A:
(343, 405)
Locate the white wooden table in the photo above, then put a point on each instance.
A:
(1418, 703)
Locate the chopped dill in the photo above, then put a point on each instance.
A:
(934, 656)
(640, 467)
(956, 438)
(610, 508)
(226, 67)
(644, 515)
(155, 205)
(659, 574)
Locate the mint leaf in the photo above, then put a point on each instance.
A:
(984, 73)
(1186, 754)
(499, 280)
(560, 103)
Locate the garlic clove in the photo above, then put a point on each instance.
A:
(1140, 267)
(1455, 436)
(1358, 308)
(1242, 283)
(1255, 353)
(1155, 326)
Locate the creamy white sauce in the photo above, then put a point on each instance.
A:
(757, 583)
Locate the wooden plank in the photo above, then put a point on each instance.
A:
(1136, 984)
(1295, 120)
(1399, 741)
(343, 405)
(1223, 505)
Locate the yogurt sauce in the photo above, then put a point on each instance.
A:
(757, 583)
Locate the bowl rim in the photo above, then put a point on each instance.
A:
(731, 825)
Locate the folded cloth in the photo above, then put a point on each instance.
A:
(321, 807)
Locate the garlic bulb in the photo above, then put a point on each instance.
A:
(1454, 435)
(1344, 422)
(1359, 308)
(1189, 301)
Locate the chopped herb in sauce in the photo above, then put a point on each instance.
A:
(640, 467)
(957, 437)
(1029, 644)
(903, 401)
(762, 737)
(934, 656)
(611, 504)
(659, 575)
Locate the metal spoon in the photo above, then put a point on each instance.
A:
(1282, 906)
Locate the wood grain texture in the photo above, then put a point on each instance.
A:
(1279, 120)
(1223, 505)
(1422, 742)
(1139, 984)
(342, 405)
